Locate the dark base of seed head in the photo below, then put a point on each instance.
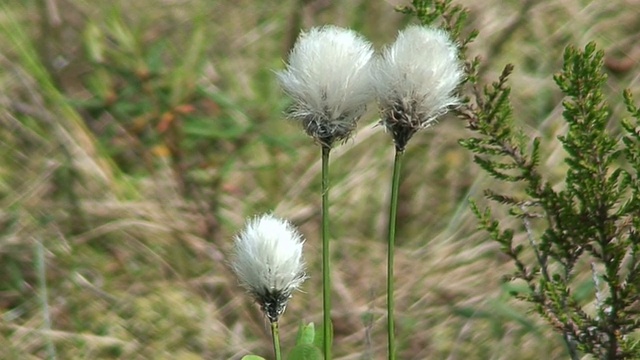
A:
(273, 303)
(324, 129)
(324, 132)
(401, 136)
(401, 125)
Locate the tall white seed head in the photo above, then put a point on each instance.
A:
(327, 77)
(415, 79)
(268, 262)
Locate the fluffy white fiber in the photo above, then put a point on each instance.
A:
(268, 262)
(328, 78)
(418, 72)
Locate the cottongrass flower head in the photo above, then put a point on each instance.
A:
(268, 262)
(415, 80)
(328, 79)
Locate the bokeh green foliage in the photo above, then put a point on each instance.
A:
(147, 104)
(84, 157)
(150, 91)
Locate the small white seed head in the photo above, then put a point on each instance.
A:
(415, 80)
(268, 262)
(327, 76)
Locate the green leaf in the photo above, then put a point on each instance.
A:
(153, 57)
(319, 339)
(252, 357)
(183, 79)
(93, 42)
(213, 129)
(306, 334)
(305, 352)
(503, 311)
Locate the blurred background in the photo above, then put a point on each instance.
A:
(137, 136)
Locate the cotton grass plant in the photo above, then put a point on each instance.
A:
(269, 265)
(332, 75)
(90, 143)
(415, 81)
(327, 77)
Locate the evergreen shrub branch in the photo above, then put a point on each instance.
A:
(588, 223)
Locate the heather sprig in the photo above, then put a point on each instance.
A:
(591, 221)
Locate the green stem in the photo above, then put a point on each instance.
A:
(42, 284)
(393, 210)
(275, 335)
(326, 279)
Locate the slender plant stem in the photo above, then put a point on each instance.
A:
(275, 335)
(42, 284)
(326, 269)
(393, 210)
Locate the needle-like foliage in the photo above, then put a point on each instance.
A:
(590, 221)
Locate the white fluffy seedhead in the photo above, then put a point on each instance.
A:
(268, 262)
(415, 79)
(328, 78)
